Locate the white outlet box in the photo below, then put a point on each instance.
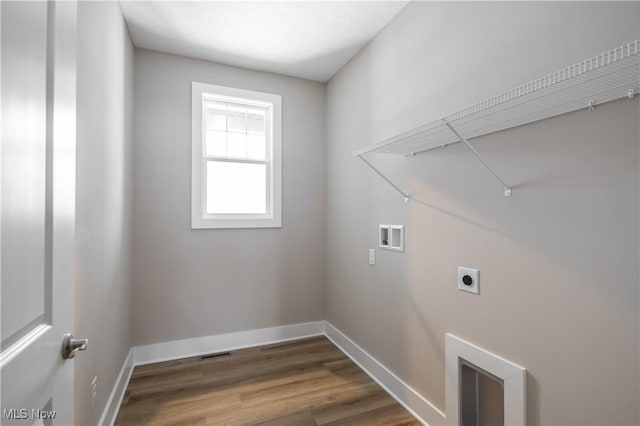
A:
(391, 237)
(468, 280)
(94, 391)
(372, 257)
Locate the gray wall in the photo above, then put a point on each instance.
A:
(190, 283)
(103, 205)
(558, 261)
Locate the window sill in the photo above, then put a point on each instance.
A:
(199, 223)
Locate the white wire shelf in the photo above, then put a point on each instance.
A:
(612, 75)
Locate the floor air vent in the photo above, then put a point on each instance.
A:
(218, 355)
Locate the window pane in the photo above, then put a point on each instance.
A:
(216, 116)
(237, 145)
(235, 119)
(216, 121)
(236, 188)
(216, 107)
(216, 143)
(255, 121)
(256, 147)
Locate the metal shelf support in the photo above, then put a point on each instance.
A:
(507, 188)
(379, 173)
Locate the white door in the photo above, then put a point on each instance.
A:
(38, 91)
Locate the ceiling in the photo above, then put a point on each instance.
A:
(306, 39)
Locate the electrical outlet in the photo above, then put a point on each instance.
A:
(372, 257)
(468, 280)
(94, 391)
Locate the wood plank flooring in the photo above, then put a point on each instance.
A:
(299, 383)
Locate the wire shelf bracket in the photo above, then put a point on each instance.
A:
(379, 173)
(612, 75)
(507, 188)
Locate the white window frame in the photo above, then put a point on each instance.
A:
(200, 219)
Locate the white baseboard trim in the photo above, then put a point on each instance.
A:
(110, 411)
(177, 349)
(415, 403)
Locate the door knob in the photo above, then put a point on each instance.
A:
(70, 346)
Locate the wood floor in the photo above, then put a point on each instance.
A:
(303, 382)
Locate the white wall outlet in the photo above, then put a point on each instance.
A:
(372, 257)
(94, 391)
(468, 280)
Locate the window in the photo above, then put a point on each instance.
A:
(236, 171)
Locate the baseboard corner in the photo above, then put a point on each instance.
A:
(112, 407)
(416, 404)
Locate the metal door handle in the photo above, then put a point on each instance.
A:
(70, 346)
